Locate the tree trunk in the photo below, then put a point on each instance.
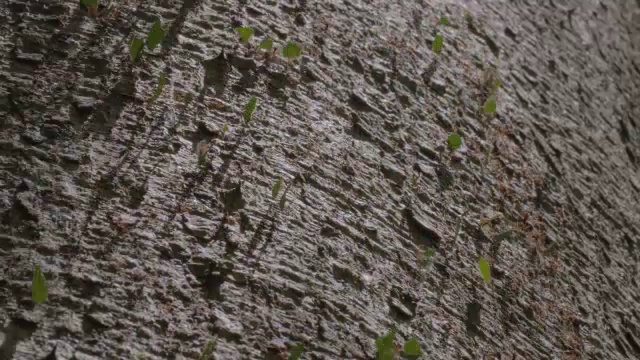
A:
(154, 215)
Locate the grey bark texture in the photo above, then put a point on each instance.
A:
(156, 225)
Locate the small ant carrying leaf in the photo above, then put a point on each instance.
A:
(270, 55)
(119, 225)
(91, 6)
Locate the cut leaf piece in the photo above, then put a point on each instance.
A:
(155, 36)
(485, 269)
(266, 44)
(428, 255)
(291, 50)
(436, 47)
(412, 348)
(276, 188)
(250, 108)
(454, 141)
(162, 81)
(245, 33)
(39, 291)
(443, 21)
(296, 351)
(385, 347)
(209, 348)
(490, 106)
(134, 49)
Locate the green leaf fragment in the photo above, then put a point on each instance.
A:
(386, 354)
(276, 188)
(454, 141)
(250, 108)
(490, 105)
(89, 3)
(39, 292)
(162, 81)
(385, 347)
(443, 21)
(266, 44)
(412, 348)
(428, 255)
(225, 128)
(134, 49)
(155, 36)
(291, 50)
(485, 269)
(296, 351)
(245, 33)
(209, 348)
(436, 47)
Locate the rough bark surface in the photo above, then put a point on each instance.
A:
(151, 250)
